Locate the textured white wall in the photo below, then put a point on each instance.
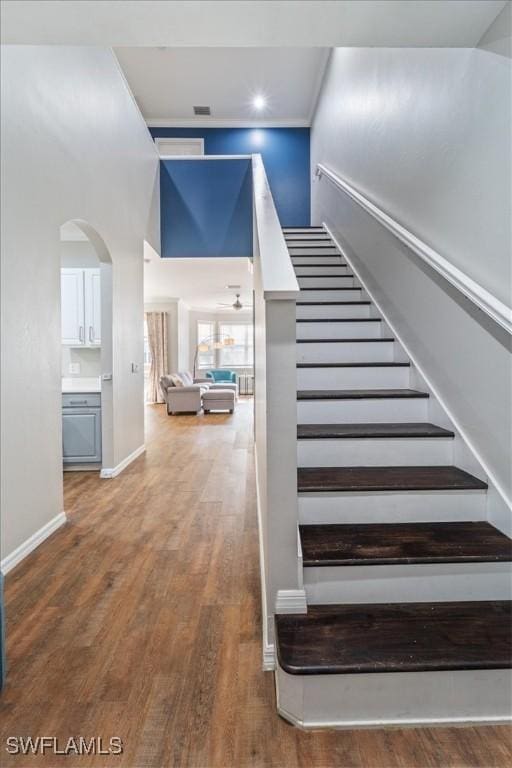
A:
(426, 135)
(73, 146)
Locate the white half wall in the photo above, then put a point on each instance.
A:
(425, 134)
(74, 146)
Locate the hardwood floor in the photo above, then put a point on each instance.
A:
(141, 619)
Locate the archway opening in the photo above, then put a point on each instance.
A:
(87, 349)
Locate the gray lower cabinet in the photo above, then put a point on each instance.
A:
(81, 428)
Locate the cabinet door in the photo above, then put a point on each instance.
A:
(72, 306)
(81, 435)
(93, 306)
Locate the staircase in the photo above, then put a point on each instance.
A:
(407, 585)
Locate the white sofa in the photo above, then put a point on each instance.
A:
(183, 393)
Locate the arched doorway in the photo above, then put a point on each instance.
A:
(87, 348)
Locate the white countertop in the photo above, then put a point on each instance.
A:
(81, 384)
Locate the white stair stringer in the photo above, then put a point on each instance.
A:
(376, 700)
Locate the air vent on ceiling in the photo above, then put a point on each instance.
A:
(202, 111)
(233, 287)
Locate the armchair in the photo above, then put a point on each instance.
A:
(222, 375)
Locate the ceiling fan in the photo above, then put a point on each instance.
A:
(237, 304)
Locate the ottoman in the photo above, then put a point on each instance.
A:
(218, 400)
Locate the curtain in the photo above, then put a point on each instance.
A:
(157, 342)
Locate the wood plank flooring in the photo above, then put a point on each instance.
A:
(141, 619)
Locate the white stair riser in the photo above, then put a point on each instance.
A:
(305, 240)
(332, 310)
(395, 698)
(335, 260)
(352, 330)
(408, 583)
(307, 294)
(359, 411)
(315, 251)
(335, 270)
(353, 378)
(389, 507)
(326, 282)
(305, 230)
(374, 452)
(346, 352)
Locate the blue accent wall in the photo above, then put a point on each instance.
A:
(206, 208)
(285, 153)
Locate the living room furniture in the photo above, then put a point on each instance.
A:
(221, 375)
(218, 400)
(181, 393)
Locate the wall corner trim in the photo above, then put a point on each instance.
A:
(28, 546)
(107, 473)
(291, 601)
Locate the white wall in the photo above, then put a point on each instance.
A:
(74, 146)
(426, 135)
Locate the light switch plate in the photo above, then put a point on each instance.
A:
(135, 367)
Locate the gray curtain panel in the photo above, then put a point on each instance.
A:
(157, 339)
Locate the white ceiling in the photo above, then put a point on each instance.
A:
(326, 23)
(201, 283)
(168, 82)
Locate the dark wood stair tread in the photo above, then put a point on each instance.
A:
(320, 247)
(403, 543)
(359, 340)
(359, 394)
(315, 277)
(395, 478)
(333, 288)
(331, 266)
(354, 365)
(369, 430)
(395, 637)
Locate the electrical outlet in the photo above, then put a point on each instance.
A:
(74, 369)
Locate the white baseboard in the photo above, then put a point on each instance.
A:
(108, 473)
(37, 538)
(291, 601)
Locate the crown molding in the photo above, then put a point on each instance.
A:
(172, 122)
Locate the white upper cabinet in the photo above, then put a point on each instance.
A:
(81, 306)
(92, 294)
(72, 306)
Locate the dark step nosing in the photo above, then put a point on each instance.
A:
(323, 277)
(330, 303)
(360, 394)
(354, 365)
(339, 320)
(395, 637)
(360, 340)
(373, 431)
(331, 288)
(379, 479)
(319, 247)
(403, 544)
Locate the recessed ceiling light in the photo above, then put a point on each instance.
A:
(259, 102)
